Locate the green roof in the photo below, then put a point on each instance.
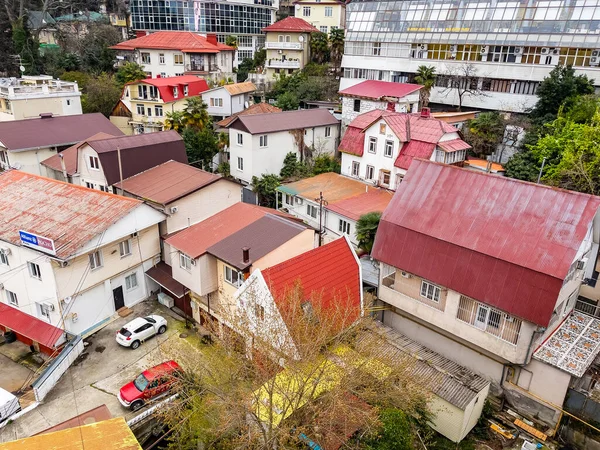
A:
(88, 16)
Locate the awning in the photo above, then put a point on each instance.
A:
(163, 275)
(31, 327)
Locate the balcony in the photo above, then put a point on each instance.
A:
(201, 68)
(283, 45)
(278, 64)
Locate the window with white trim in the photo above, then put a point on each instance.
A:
(289, 199)
(178, 59)
(131, 282)
(175, 92)
(344, 227)
(140, 109)
(89, 185)
(94, 162)
(34, 270)
(3, 258)
(328, 11)
(355, 168)
(216, 102)
(311, 211)
(240, 163)
(186, 90)
(430, 291)
(45, 309)
(372, 144)
(161, 58)
(233, 277)
(240, 139)
(145, 58)
(12, 298)
(263, 140)
(306, 11)
(489, 320)
(389, 149)
(125, 248)
(370, 174)
(185, 262)
(95, 260)
(327, 131)
(323, 29)
(158, 111)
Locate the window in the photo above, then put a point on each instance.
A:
(12, 298)
(131, 282)
(370, 173)
(355, 168)
(34, 270)
(389, 149)
(175, 92)
(263, 140)
(289, 200)
(89, 185)
(344, 227)
(153, 91)
(240, 163)
(186, 90)
(382, 128)
(430, 291)
(149, 112)
(178, 59)
(218, 102)
(233, 277)
(327, 131)
(372, 145)
(311, 211)
(145, 58)
(376, 48)
(68, 102)
(140, 109)
(306, 11)
(259, 311)
(45, 310)
(103, 188)
(3, 258)
(158, 111)
(328, 11)
(185, 261)
(384, 178)
(399, 178)
(240, 139)
(3, 157)
(94, 163)
(323, 29)
(356, 105)
(125, 248)
(95, 260)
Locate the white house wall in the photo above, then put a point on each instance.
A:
(29, 160)
(408, 103)
(219, 93)
(86, 173)
(332, 222)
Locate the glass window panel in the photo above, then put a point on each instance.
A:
(475, 11)
(415, 13)
(547, 10)
(440, 12)
(505, 11)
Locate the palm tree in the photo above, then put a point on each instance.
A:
(366, 227)
(175, 121)
(425, 77)
(319, 47)
(336, 43)
(196, 113)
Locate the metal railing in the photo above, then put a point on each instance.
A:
(489, 320)
(284, 45)
(283, 64)
(587, 308)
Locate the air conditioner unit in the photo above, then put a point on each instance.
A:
(596, 52)
(299, 201)
(595, 60)
(484, 50)
(174, 209)
(453, 48)
(165, 300)
(518, 50)
(581, 263)
(405, 274)
(422, 46)
(556, 51)
(280, 52)
(5, 251)
(74, 317)
(48, 306)
(1, 286)
(545, 50)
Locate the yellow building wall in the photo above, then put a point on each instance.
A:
(303, 55)
(317, 16)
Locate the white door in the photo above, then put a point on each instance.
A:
(481, 316)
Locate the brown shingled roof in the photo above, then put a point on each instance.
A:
(283, 121)
(257, 108)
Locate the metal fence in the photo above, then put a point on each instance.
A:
(587, 308)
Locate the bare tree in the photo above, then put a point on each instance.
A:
(462, 79)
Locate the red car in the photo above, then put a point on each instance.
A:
(149, 384)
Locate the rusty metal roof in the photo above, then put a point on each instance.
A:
(240, 88)
(411, 150)
(504, 242)
(335, 187)
(376, 89)
(376, 200)
(283, 121)
(168, 182)
(292, 24)
(257, 108)
(97, 414)
(71, 215)
(453, 145)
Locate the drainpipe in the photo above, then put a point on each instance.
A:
(539, 330)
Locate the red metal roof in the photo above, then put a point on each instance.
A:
(353, 141)
(173, 40)
(292, 24)
(411, 150)
(454, 145)
(328, 275)
(29, 326)
(196, 86)
(377, 89)
(504, 242)
(375, 200)
(70, 155)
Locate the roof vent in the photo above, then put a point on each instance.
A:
(425, 112)
(45, 115)
(246, 254)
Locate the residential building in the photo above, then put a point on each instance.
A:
(78, 24)
(102, 161)
(345, 200)
(379, 146)
(44, 25)
(324, 15)
(148, 101)
(24, 144)
(256, 108)
(258, 143)
(485, 279)
(71, 257)
(213, 257)
(242, 18)
(288, 46)
(509, 46)
(483, 165)
(224, 101)
(383, 95)
(457, 119)
(175, 53)
(122, 22)
(30, 96)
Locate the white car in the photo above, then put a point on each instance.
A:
(140, 329)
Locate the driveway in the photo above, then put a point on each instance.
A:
(97, 375)
(12, 375)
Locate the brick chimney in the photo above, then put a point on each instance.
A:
(425, 112)
(246, 254)
(212, 39)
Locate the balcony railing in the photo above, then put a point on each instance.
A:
(276, 64)
(587, 308)
(283, 45)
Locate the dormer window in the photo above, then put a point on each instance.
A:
(175, 92)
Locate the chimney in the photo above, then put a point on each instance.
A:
(63, 166)
(246, 254)
(46, 115)
(425, 112)
(212, 39)
(391, 107)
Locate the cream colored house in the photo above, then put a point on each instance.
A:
(323, 15)
(288, 46)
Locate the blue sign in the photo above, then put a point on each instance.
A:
(40, 243)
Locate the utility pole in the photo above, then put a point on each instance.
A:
(322, 202)
(541, 170)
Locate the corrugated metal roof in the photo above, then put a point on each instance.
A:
(29, 326)
(173, 40)
(376, 89)
(283, 121)
(353, 141)
(454, 145)
(71, 215)
(97, 414)
(411, 150)
(195, 85)
(292, 24)
(168, 182)
(335, 187)
(261, 237)
(501, 241)
(376, 200)
(26, 134)
(240, 88)
(448, 380)
(257, 108)
(163, 275)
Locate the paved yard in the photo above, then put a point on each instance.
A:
(12, 375)
(96, 377)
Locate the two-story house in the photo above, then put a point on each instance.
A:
(288, 46)
(324, 15)
(149, 100)
(24, 144)
(256, 108)
(258, 143)
(484, 269)
(224, 101)
(213, 257)
(369, 95)
(176, 53)
(102, 161)
(379, 146)
(344, 201)
(70, 257)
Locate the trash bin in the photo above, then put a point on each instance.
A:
(10, 336)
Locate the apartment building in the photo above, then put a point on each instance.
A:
(485, 269)
(70, 256)
(510, 46)
(241, 18)
(379, 146)
(225, 101)
(30, 96)
(324, 15)
(288, 46)
(175, 53)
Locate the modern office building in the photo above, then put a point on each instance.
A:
(504, 47)
(241, 18)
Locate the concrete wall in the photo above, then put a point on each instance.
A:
(408, 103)
(31, 107)
(297, 245)
(28, 161)
(122, 123)
(87, 174)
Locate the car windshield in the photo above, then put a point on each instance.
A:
(141, 382)
(150, 319)
(125, 332)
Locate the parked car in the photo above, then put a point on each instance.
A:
(148, 385)
(140, 329)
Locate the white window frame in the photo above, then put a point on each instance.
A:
(34, 270)
(388, 151)
(143, 57)
(95, 260)
(344, 226)
(370, 173)
(186, 90)
(131, 282)
(125, 248)
(328, 11)
(263, 140)
(240, 164)
(372, 145)
(289, 199)
(175, 92)
(327, 132)
(185, 262)
(3, 259)
(430, 291)
(306, 11)
(240, 139)
(44, 311)
(355, 168)
(94, 162)
(229, 278)
(161, 58)
(12, 298)
(310, 209)
(141, 110)
(158, 110)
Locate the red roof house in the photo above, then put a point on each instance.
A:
(292, 24)
(166, 86)
(184, 41)
(377, 90)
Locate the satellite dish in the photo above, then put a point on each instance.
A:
(22, 68)
(68, 300)
(245, 104)
(301, 38)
